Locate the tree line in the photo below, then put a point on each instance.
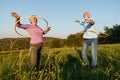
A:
(73, 40)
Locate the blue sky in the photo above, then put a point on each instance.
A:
(60, 14)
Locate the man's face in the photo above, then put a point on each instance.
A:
(33, 20)
(86, 15)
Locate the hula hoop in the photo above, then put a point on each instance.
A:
(26, 18)
(98, 33)
(104, 35)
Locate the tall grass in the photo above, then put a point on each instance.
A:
(61, 64)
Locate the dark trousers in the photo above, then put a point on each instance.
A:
(35, 52)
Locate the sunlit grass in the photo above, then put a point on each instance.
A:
(61, 64)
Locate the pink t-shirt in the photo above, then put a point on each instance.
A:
(35, 32)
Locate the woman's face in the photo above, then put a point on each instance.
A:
(33, 20)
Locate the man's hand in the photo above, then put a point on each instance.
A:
(90, 21)
(77, 21)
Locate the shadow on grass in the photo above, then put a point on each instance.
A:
(73, 70)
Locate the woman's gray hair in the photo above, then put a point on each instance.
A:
(33, 16)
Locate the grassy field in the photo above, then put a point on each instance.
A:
(61, 64)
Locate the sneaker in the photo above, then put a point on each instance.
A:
(93, 67)
(84, 64)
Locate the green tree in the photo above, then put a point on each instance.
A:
(114, 34)
(75, 40)
(57, 43)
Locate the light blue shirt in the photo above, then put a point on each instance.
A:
(90, 30)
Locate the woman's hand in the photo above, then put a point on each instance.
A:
(14, 14)
(48, 29)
